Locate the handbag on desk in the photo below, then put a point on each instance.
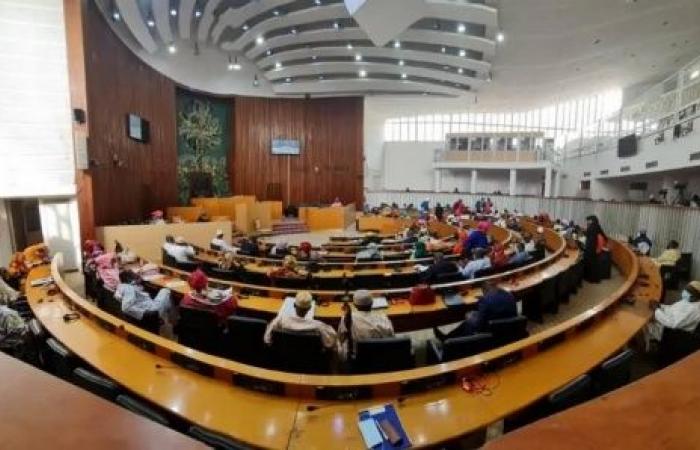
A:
(421, 294)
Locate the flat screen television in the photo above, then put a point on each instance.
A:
(627, 146)
(137, 128)
(285, 147)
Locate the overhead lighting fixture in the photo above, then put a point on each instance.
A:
(358, 57)
(443, 49)
(116, 16)
(401, 63)
(259, 40)
(276, 12)
(151, 23)
(695, 74)
(294, 31)
(233, 65)
(460, 71)
(349, 46)
(404, 76)
(256, 82)
(500, 37)
(313, 57)
(268, 52)
(461, 28)
(336, 25)
(362, 73)
(288, 80)
(278, 65)
(462, 53)
(245, 27)
(320, 77)
(172, 49)
(197, 13)
(318, 2)
(173, 12)
(397, 44)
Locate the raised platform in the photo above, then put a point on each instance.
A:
(289, 226)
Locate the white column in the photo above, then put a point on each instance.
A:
(438, 180)
(512, 190)
(548, 182)
(473, 186)
(557, 184)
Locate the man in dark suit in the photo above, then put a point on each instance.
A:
(440, 266)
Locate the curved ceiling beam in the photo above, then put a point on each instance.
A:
(137, 26)
(482, 67)
(236, 17)
(296, 18)
(184, 17)
(305, 37)
(463, 12)
(161, 14)
(321, 68)
(207, 20)
(364, 85)
(486, 46)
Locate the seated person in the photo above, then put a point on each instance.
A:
(13, 328)
(439, 267)
(249, 247)
(221, 243)
(299, 322)
(337, 203)
(495, 304)
(8, 294)
(157, 218)
(108, 270)
(136, 301)
(642, 243)
(371, 237)
(435, 244)
(529, 243)
(498, 256)
(220, 302)
(477, 238)
(520, 256)
(228, 261)
(279, 250)
(419, 250)
(363, 323)
(684, 314)
(307, 253)
(181, 251)
(288, 269)
(670, 256)
(481, 262)
(370, 253)
(169, 244)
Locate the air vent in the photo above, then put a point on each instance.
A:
(625, 169)
(652, 164)
(604, 172)
(586, 174)
(695, 156)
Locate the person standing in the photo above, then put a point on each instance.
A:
(596, 243)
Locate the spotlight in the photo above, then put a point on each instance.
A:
(358, 57)
(397, 44)
(256, 82)
(362, 73)
(197, 13)
(461, 28)
(116, 16)
(349, 46)
(500, 37)
(151, 23)
(278, 65)
(259, 40)
(401, 63)
(172, 49)
(245, 27)
(404, 76)
(462, 53)
(173, 12)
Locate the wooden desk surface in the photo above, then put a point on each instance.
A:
(656, 412)
(42, 411)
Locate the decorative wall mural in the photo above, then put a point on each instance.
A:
(203, 137)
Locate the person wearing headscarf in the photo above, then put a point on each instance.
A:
(684, 314)
(288, 269)
(108, 270)
(642, 243)
(419, 250)
(370, 253)
(280, 249)
(477, 238)
(361, 323)
(219, 242)
(596, 242)
(498, 256)
(298, 321)
(157, 217)
(136, 301)
(425, 205)
(220, 302)
(439, 212)
(337, 203)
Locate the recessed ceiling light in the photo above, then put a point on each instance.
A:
(362, 73)
(245, 27)
(695, 74)
(401, 63)
(318, 2)
(462, 52)
(500, 37)
(443, 49)
(336, 25)
(288, 80)
(349, 46)
(116, 16)
(172, 49)
(233, 65)
(256, 82)
(197, 13)
(276, 12)
(397, 44)
(358, 57)
(320, 77)
(259, 40)
(268, 52)
(404, 76)
(294, 31)
(313, 57)
(461, 28)
(460, 71)
(173, 12)
(151, 23)
(278, 65)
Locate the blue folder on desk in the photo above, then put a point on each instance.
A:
(452, 299)
(386, 412)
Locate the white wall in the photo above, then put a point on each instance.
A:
(59, 225)
(5, 236)
(409, 164)
(36, 146)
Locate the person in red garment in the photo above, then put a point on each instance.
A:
(220, 302)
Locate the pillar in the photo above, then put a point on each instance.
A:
(512, 189)
(438, 180)
(557, 184)
(548, 182)
(473, 185)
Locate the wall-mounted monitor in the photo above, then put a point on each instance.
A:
(285, 147)
(137, 128)
(627, 146)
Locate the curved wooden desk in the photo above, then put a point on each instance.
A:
(429, 400)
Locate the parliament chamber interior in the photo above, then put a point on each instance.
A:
(348, 224)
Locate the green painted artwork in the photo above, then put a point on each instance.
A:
(203, 136)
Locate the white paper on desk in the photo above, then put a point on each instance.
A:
(379, 303)
(370, 433)
(41, 281)
(287, 309)
(153, 277)
(420, 268)
(176, 284)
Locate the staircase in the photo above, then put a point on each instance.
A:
(289, 226)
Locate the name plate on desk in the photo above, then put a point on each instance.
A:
(141, 343)
(344, 393)
(257, 384)
(192, 364)
(426, 384)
